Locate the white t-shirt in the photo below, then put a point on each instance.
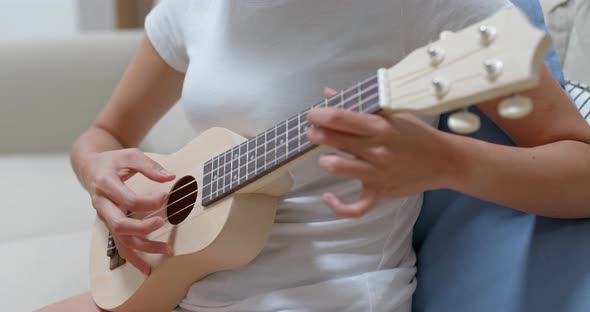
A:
(252, 63)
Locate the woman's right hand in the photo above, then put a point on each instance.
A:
(104, 175)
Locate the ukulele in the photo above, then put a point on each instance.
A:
(222, 205)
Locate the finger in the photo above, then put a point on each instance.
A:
(340, 166)
(146, 245)
(355, 145)
(353, 209)
(132, 257)
(124, 197)
(329, 92)
(348, 121)
(120, 224)
(130, 226)
(138, 161)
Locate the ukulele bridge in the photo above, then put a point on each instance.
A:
(113, 253)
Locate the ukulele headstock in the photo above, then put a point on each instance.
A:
(501, 55)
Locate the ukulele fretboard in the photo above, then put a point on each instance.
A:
(287, 140)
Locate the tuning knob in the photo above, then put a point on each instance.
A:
(441, 86)
(487, 34)
(444, 34)
(437, 55)
(515, 106)
(464, 122)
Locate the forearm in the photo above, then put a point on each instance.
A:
(149, 87)
(552, 180)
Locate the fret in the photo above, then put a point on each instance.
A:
(360, 97)
(281, 142)
(372, 103)
(306, 143)
(224, 171)
(349, 98)
(251, 164)
(208, 166)
(368, 89)
(303, 142)
(292, 135)
(260, 151)
(227, 181)
(207, 192)
(228, 172)
(369, 82)
(235, 163)
(243, 161)
(215, 185)
(334, 101)
(207, 181)
(221, 176)
(276, 146)
(299, 132)
(270, 147)
(207, 174)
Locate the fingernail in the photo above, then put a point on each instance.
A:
(166, 173)
(329, 198)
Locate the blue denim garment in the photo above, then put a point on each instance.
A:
(476, 256)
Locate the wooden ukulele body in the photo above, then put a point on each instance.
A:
(223, 236)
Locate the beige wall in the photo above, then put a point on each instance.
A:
(35, 18)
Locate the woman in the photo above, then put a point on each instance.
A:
(248, 64)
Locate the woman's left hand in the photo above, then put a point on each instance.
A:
(394, 156)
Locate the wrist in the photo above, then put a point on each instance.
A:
(83, 168)
(459, 154)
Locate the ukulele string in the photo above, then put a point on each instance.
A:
(168, 217)
(153, 213)
(353, 107)
(340, 104)
(411, 77)
(175, 190)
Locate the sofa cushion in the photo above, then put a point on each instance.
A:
(40, 270)
(45, 240)
(42, 196)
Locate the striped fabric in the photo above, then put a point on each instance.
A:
(580, 94)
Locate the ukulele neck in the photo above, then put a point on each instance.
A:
(280, 144)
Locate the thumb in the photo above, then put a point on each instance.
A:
(150, 168)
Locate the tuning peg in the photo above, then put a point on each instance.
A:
(493, 68)
(464, 122)
(444, 34)
(437, 55)
(441, 86)
(487, 34)
(515, 106)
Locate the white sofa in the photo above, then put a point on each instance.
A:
(50, 91)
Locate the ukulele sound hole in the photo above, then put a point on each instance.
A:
(182, 199)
